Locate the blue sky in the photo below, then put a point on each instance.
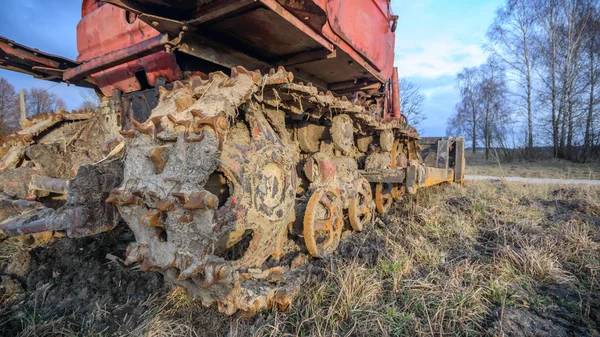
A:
(435, 40)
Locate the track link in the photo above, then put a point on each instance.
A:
(219, 184)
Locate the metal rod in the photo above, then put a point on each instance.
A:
(396, 94)
(117, 57)
(48, 184)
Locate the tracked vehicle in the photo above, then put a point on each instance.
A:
(237, 139)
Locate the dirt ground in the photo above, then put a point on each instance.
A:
(70, 288)
(484, 259)
(543, 168)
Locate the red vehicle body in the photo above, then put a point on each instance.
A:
(127, 46)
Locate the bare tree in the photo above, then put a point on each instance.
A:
(593, 49)
(511, 40)
(547, 44)
(9, 108)
(91, 101)
(483, 112)
(412, 102)
(495, 117)
(38, 100)
(466, 117)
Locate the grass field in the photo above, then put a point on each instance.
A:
(546, 168)
(485, 258)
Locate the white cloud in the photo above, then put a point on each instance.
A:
(438, 58)
(430, 92)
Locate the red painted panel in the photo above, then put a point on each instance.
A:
(105, 28)
(365, 25)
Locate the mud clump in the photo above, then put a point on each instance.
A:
(70, 285)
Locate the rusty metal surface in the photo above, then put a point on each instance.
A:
(84, 212)
(443, 154)
(105, 29)
(273, 32)
(430, 176)
(397, 176)
(52, 172)
(218, 226)
(459, 160)
(396, 95)
(117, 57)
(281, 11)
(365, 26)
(48, 184)
(27, 60)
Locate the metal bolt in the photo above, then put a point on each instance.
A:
(223, 123)
(212, 201)
(155, 23)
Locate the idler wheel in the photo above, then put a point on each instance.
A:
(384, 197)
(323, 222)
(361, 209)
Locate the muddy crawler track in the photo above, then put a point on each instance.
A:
(234, 182)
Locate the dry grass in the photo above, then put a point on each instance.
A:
(543, 168)
(451, 256)
(447, 259)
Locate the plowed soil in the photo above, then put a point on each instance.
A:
(72, 285)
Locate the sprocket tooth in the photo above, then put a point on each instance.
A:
(181, 197)
(197, 113)
(329, 93)
(242, 70)
(151, 218)
(178, 85)
(234, 73)
(129, 134)
(130, 200)
(186, 123)
(26, 123)
(201, 200)
(272, 72)
(165, 205)
(113, 197)
(257, 77)
(217, 77)
(163, 93)
(136, 252)
(159, 157)
(147, 130)
(158, 127)
(231, 81)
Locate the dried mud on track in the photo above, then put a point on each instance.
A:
(69, 287)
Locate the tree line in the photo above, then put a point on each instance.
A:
(539, 86)
(37, 100)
